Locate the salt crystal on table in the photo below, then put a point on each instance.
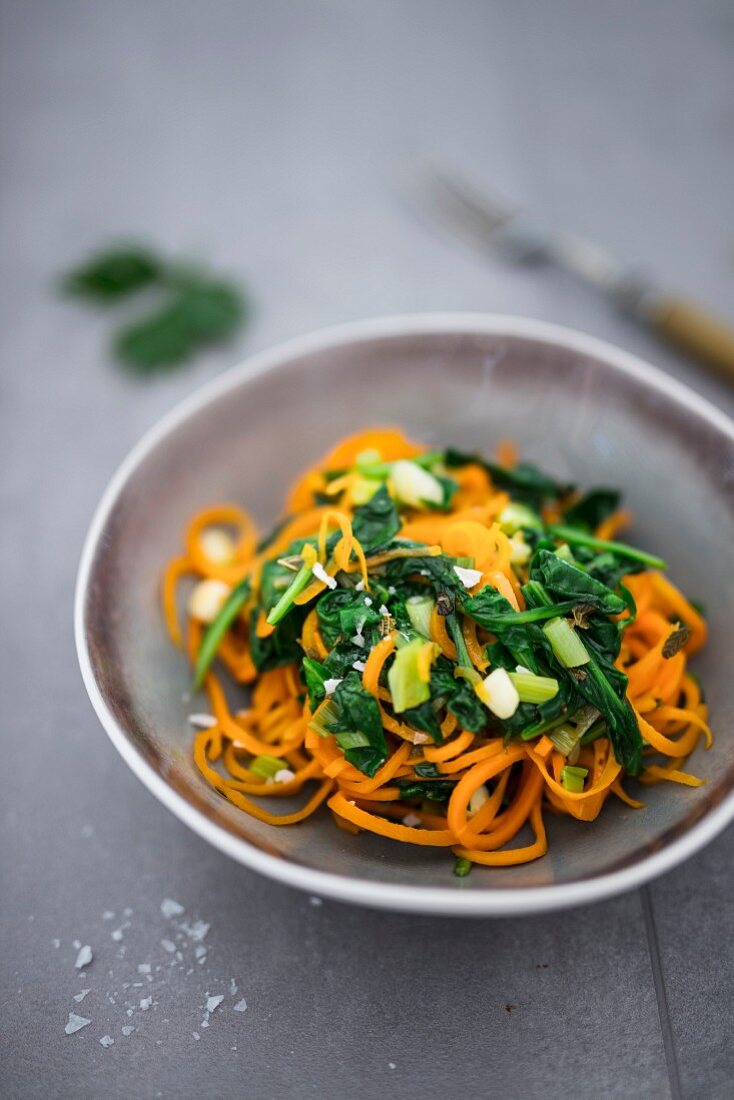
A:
(241, 1006)
(168, 945)
(107, 1041)
(391, 1065)
(199, 950)
(129, 1012)
(128, 1029)
(143, 968)
(84, 957)
(214, 1002)
(108, 915)
(81, 994)
(197, 930)
(75, 1023)
(76, 944)
(171, 908)
(145, 1003)
(196, 1035)
(232, 987)
(117, 935)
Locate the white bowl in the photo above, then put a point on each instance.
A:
(585, 410)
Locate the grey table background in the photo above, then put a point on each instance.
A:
(274, 139)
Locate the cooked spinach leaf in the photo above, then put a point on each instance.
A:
(525, 482)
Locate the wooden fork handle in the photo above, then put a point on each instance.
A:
(695, 331)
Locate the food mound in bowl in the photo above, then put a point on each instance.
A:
(439, 648)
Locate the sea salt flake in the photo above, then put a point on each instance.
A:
(204, 1023)
(391, 1065)
(75, 1023)
(168, 945)
(196, 1035)
(241, 1006)
(284, 775)
(108, 915)
(145, 1003)
(143, 968)
(384, 609)
(411, 820)
(368, 601)
(84, 957)
(76, 944)
(81, 994)
(359, 586)
(171, 908)
(232, 987)
(117, 935)
(330, 686)
(360, 666)
(107, 1041)
(392, 589)
(129, 1011)
(358, 640)
(214, 1002)
(128, 1029)
(197, 930)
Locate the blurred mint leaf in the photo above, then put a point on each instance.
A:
(203, 312)
(114, 273)
(194, 308)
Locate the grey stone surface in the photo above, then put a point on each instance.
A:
(277, 139)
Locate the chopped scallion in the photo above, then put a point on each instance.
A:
(217, 629)
(534, 689)
(572, 779)
(406, 686)
(297, 585)
(351, 739)
(420, 609)
(462, 867)
(565, 643)
(321, 721)
(267, 766)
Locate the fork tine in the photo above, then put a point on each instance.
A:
(453, 196)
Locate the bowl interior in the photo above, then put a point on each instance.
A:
(571, 411)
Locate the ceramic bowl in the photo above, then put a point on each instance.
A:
(584, 410)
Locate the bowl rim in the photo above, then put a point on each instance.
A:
(443, 900)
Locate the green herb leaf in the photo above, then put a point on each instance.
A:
(358, 711)
(593, 508)
(111, 275)
(201, 313)
(567, 582)
(377, 522)
(525, 482)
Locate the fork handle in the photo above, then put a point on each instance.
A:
(696, 331)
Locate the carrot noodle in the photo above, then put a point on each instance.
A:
(492, 794)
